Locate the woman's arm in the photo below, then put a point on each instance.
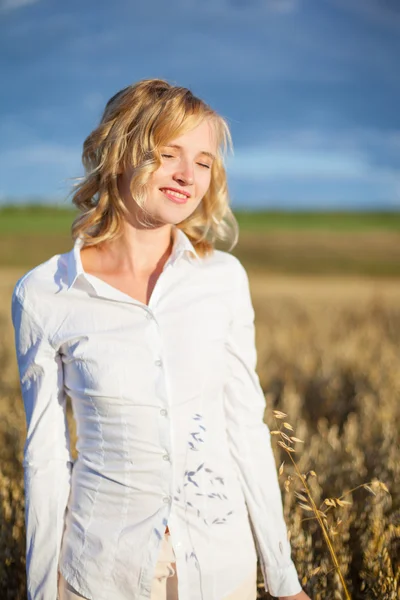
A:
(250, 445)
(46, 460)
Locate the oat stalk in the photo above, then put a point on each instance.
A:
(289, 450)
(331, 502)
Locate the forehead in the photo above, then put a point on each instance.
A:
(202, 138)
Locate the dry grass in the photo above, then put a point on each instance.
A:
(332, 365)
(375, 252)
(328, 358)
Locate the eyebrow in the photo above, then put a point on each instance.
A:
(210, 154)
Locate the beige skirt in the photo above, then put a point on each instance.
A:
(165, 581)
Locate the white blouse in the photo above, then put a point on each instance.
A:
(169, 414)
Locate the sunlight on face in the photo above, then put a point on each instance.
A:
(186, 168)
(177, 187)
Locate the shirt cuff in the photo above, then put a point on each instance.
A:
(281, 581)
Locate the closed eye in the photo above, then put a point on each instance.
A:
(171, 156)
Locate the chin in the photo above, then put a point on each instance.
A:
(173, 217)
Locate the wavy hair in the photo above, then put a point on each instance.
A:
(136, 122)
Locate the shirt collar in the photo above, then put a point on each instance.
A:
(181, 244)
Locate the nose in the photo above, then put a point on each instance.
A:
(185, 174)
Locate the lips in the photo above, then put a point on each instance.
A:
(164, 189)
(173, 197)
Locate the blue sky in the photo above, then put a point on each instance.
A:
(310, 89)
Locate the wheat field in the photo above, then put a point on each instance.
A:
(328, 357)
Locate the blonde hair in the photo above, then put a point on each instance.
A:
(136, 121)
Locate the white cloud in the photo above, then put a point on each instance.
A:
(94, 101)
(316, 155)
(374, 11)
(41, 153)
(262, 164)
(339, 139)
(234, 7)
(7, 5)
(283, 6)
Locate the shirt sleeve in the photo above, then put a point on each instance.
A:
(47, 460)
(250, 445)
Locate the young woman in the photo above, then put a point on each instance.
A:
(150, 332)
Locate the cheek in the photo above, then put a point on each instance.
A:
(158, 175)
(205, 184)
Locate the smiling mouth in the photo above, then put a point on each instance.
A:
(175, 196)
(174, 192)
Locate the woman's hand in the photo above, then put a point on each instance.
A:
(300, 596)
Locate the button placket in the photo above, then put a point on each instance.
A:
(162, 395)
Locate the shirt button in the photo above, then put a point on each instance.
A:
(163, 412)
(166, 457)
(167, 499)
(158, 362)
